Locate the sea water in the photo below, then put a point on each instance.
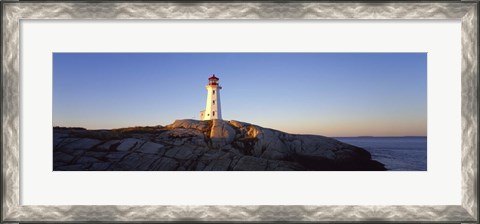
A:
(397, 153)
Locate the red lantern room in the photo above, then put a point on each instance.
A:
(213, 81)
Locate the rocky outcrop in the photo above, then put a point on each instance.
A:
(221, 133)
(192, 145)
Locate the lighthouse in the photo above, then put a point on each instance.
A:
(213, 109)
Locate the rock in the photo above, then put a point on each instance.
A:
(184, 154)
(81, 144)
(246, 129)
(62, 157)
(58, 164)
(238, 124)
(58, 138)
(87, 159)
(146, 163)
(136, 161)
(152, 148)
(180, 141)
(239, 144)
(128, 144)
(213, 155)
(100, 166)
(270, 146)
(59, 142)
(74, 167)
(181, 152)
(165, 164)
(316, 146)
(181, 136)
(201, 165)
(116, 156)
(183, 133)
(190, 124)
(95, 154)
(109, 145)
(250, 163)
(253, 131)
(235, 160)
(283, 166)
(274, 154)
(222, 133)
(218, 165)
(204, 145)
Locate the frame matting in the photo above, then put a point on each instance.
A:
(13, 12)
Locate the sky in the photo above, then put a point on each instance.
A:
(330, 94)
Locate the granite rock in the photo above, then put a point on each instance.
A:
(214, 145)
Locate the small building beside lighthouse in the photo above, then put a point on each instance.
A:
(213, 109)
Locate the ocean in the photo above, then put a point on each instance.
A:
(397, 153)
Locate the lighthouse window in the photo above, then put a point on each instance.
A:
(213, 92)
(213, 113)
(213, 102)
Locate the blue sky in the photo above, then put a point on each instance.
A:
(332, 94)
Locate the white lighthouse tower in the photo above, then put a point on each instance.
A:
(213, 109)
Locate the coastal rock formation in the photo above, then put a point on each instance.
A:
(213, 145)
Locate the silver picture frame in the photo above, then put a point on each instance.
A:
(14, 12)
